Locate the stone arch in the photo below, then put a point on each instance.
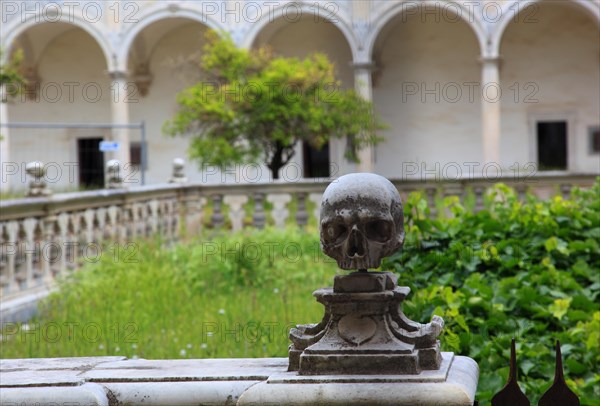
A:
(387, 15)
(509, 14)
(549, 79)
(18, 28)
(279, 13)
(426, 71)
(157, 14)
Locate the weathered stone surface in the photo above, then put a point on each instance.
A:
(364, 331)
(227, 382)
(88, 394)
(179, 393)
(361, 220)
(458, 389)
(141, 370)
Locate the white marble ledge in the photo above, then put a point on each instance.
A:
(120, 381)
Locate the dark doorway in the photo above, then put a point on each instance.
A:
(91, 163)
(552, 145)
(316, 161)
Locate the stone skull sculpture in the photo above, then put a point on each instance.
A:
(361, 220)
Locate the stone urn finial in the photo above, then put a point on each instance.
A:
(37, 186)
(113, 171)
(178, 175)
(364, 330)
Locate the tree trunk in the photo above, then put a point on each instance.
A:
(278, 160)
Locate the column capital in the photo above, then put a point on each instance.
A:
(492, 60)
(366, 65)
(118, 74)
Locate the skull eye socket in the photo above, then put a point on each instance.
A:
(379, 230)
(333, 232)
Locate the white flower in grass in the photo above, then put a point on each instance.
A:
(25, 327)
(189, 346)
(276, 290)
(221, 311)
(182, 352)
(203, 346)
(117, 349)
(135, 357)
(210, 334)
(134, 346)
(101, 347)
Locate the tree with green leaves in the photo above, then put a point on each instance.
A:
(10, 76)
(253, 106)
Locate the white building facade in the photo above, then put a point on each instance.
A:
(468, 88)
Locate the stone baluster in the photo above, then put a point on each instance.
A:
(236, 210)
(217, 217)
(279, 213)
(192, 207)
(431, 192)
(478, 191)
(4, 249)
(125, 222)
(173, 219)
(63, 232)
(113, 229)
(49, 249)
(12, 232)
(153, 205)
(565, 190)
(521, 192)
(75, 240)
(301, 213)
(135, 216)
(37, 186)
(316, 199)
(101, 224)
(29, 225)
(259, 217)
(88, 216)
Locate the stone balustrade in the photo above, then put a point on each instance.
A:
(44, 237)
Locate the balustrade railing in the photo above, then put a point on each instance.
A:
(44, 237)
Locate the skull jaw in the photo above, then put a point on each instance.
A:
(364, 262)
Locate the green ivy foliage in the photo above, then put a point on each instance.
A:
(528, 270)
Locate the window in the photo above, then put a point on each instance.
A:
(316, 161)
(135, 153)
(594, 139)
(552, 145)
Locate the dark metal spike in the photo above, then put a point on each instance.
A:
(512, 374)
(559, 393)
(558, 371)
(511, 394)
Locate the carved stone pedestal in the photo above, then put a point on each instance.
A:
(365, 332)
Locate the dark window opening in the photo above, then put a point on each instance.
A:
(91, 163)
(595, 140)
(135, 153)
(316, 161)
(552, 145)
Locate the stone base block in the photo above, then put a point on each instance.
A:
(429, 388)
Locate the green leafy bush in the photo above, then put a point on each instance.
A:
(528, 270)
